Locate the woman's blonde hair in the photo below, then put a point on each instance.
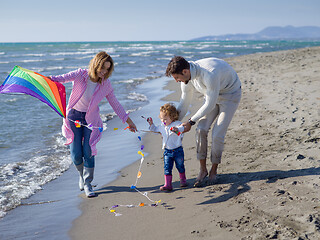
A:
(97, 63)
(170, 110)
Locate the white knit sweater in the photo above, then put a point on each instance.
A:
(211, 77)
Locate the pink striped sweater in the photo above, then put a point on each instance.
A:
(80, 78)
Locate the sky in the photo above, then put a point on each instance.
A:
(147, 20)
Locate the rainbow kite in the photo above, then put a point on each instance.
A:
(22, 80)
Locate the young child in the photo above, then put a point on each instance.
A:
(171, 143)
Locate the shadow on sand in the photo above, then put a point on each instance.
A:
(239, 183)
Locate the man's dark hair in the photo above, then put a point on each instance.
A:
(176, 65)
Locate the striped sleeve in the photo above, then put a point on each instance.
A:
(68, 77)
(117, 107)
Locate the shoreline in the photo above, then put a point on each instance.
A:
(268, 179)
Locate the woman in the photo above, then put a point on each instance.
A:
(82, 127)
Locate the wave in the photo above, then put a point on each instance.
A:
(203, 46)
(33, 55)
(53, 68)
(138, 97)
(11, 100)
(140, 54)
(20, 180)
(125, 63)
(70, 53)
(132, 80)
(207, 52)
(138, 80)
(96, 50)
(165, 58)
(85, 57)
(30, 60)
(137, 46)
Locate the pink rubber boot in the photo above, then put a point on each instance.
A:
(168, 183)
(183, 180)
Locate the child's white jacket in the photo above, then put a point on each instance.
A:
(170, 139)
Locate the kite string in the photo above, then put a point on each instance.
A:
(140, 166)
(112, 209)
(139, 171)
(146, 195)
(139, 176)
(89, 126)
(153, 203)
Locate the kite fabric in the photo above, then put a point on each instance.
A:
(22, 80)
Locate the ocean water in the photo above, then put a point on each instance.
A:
(32, 151)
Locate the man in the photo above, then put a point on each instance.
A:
(221, 87)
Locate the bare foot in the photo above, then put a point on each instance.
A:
(202, 174)
(212, 179)
(200, 179)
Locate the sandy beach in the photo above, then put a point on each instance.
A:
(269, 178)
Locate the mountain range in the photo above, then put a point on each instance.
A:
(271, 33)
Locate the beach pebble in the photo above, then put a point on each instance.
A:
(280, 192)
(300, 156)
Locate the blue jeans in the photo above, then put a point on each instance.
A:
(173, 156)
(80, 149)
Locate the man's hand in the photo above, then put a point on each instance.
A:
(187, 127)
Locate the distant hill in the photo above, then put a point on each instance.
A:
(271, 33)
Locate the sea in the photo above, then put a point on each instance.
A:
(39, 196)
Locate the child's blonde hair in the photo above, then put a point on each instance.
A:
(170, 110)
(96, 64)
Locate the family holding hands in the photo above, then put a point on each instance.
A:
(212, 77)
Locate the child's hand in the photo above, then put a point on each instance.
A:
(150, 121)
(174, 129)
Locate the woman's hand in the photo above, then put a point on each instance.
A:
(132, 126)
